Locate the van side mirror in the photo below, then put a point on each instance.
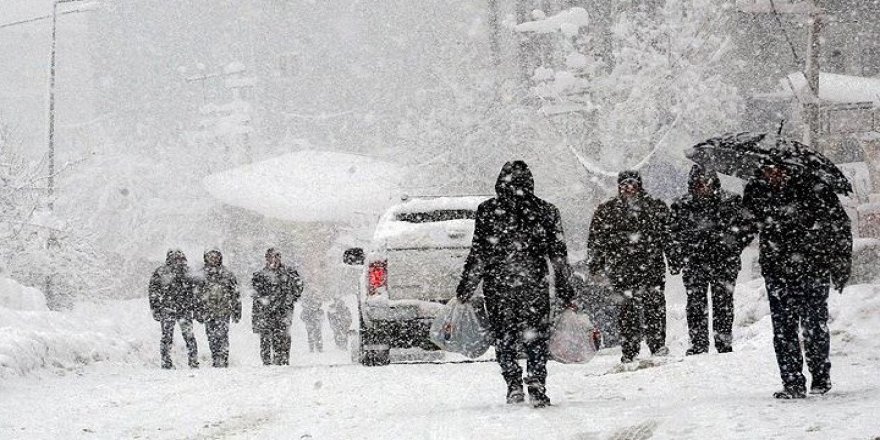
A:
(353, 256)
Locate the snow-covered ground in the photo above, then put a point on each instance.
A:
(324, 396)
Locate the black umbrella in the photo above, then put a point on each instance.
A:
(744, 154)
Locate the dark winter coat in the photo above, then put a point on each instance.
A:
(804, 230)
(275, 293)
(628, 239)
(708, 232)
(516, 234)
(171, 292)
(217, 295)
(339, 317)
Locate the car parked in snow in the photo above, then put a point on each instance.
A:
(410, 271)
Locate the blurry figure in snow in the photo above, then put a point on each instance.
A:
(172, 302)
(218, 303)
(516, 235)
(594, 294)
(312, 315)
(277, 287)
(805, 245)
(708, 235)
(339, 317)
(628, 238)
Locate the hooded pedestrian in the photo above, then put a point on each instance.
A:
(628, 240)
(805, 247)
(312, 315)
(339, 317)
(709, 233)
(277, 287)
(219, 302)
(172, 302)
(516, 235)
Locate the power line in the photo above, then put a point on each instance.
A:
(43, 17)
(794, 53)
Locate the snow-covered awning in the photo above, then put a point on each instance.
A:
(833, 88)
(310, 186)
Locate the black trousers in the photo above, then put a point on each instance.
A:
(800, 302)
(275, 346)
(642, 314)
(218, 340)
(513, 329)
(186, 329)
(697, 283)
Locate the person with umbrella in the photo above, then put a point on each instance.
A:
(708, 235)
(805, 245)
(628, 239)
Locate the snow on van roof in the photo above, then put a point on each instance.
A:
(834, 87)
(419, 204)
(310, 186)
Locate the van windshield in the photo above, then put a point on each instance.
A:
(439, 215)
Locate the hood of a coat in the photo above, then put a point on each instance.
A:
(699, 174)
(515, 181)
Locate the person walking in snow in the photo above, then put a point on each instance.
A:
(628, 238)
(172, 303)
(218, 302)
(277, 287)
(312, 315)
(516, 235)
(339, 317)
(708, 234)
(805, 247)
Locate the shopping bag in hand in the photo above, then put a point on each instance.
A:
(460, 329)
(573, 339)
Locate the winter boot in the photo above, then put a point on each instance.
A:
(515, 394)
(662, 351)
(724, 349)
(695, 350)
(538, 394)
(820, 386)
(790, 393)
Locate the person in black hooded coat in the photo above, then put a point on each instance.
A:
(172, 301)
(516, 234)
(805, 247)
(708, 233)
(628, 239)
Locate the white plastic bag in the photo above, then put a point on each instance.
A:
(459, 329)
(572, 341)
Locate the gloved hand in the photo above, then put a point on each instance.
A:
(236, 317)
(674, 270)
(463, 299)
(157, 316)
(839, 283)
(571, 305)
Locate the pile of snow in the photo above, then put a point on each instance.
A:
(310, 186)
(15, 296)
(568, 22)
(39, 339)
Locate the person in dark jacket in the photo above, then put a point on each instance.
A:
(516, 234)
(339, 317)
(277, 287)
(312, 315)
(172, 302)
(805, 246)
(709, 234)
(628, 239)
(218, 302)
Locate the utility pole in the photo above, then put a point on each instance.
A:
(814, 51)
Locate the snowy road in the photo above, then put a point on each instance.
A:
(710, 396)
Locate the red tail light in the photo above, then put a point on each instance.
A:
(377, 276)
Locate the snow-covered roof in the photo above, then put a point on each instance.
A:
(834, 88)
(310, 186)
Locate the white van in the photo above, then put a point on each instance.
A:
(410, 271)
